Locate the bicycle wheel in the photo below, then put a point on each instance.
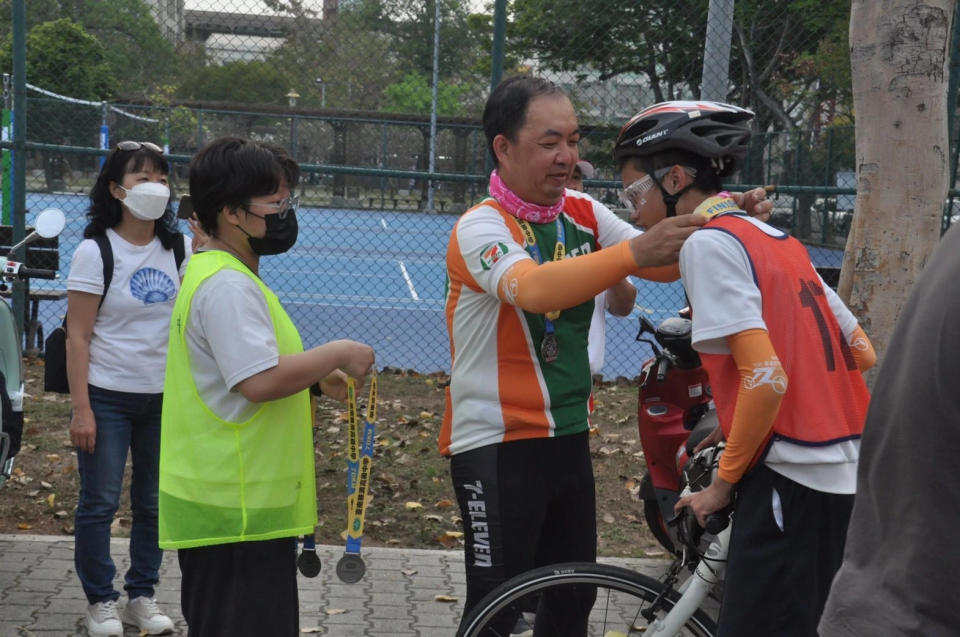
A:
(577, 600)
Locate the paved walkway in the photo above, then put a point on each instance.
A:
(405, 592)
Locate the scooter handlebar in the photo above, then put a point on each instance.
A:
(37, 273)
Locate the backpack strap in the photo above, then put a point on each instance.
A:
(179, 253)
(106, 255)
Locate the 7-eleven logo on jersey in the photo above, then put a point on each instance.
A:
(491, 254)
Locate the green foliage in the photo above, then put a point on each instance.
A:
(612, 37)
(408, 25)
(53, 51)
(180, 121)
(414, 94)
(255, 82)
(346, 66)
(138, 55)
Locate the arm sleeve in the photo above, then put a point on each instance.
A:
(763, 384)
(557, 285)
(862, 349)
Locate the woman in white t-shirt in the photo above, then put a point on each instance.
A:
(116, 351)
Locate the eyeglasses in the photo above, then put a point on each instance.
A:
(285, 207)
(632, 196)
(130, 145)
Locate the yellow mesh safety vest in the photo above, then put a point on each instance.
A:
(224, 481)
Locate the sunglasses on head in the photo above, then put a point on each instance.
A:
(130, 146)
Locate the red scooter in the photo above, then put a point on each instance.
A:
(674, 413)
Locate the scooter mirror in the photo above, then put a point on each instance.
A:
(50, 223)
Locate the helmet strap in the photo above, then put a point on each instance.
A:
(669, 199)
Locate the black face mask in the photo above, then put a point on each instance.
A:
(280, 236)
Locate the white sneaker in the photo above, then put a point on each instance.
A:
(103, 621)
(144, 613)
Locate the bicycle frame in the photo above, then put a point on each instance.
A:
(694, 590)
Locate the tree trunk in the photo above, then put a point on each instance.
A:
(899, 58)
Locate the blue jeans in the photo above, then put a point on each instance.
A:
(124, 421)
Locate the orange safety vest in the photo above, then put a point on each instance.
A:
(826, 398)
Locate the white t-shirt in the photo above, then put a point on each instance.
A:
(128, 347)
(598, 333)
(718, 278)
(230, 338)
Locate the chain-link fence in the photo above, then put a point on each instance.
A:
(379, 100)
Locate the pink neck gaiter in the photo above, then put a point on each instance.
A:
(513, 204)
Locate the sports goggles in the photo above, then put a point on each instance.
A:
(631, 196)
(285, 207)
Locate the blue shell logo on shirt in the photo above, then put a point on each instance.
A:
(152, 286)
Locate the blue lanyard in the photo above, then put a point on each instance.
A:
(530, 241)
(530, 245)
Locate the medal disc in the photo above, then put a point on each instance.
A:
(350, 568)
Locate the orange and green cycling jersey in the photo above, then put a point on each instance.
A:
(501, 387)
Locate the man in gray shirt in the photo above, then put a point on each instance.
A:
(901, 562)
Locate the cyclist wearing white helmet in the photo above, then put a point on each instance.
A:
(784, 355)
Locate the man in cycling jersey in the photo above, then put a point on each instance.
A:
(518, 309)
(784, 356)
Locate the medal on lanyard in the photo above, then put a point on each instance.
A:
(351, 568)
(549, 345)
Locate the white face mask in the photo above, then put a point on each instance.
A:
(147, 201)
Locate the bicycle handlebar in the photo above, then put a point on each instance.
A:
(717, 522)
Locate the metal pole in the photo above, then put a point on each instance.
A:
(6, 174)
(716, 51)
(499, 36)
(104, 131)
(382, 163)
(433, 101)
(19, 139)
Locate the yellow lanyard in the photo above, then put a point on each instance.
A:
(350, 568)
(559, 251)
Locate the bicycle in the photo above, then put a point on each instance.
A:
(599, 600)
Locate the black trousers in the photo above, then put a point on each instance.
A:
(244, 589)
(777, 579)
(525, 503)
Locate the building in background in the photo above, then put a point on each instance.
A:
(169, 15)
